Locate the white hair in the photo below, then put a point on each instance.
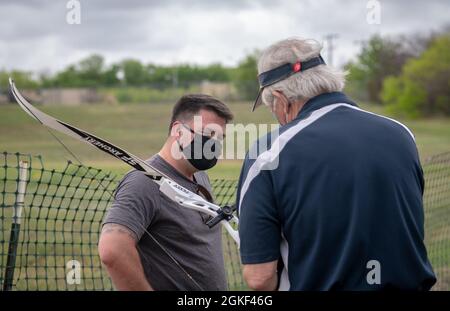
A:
(303, 85)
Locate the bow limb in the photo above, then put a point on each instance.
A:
(83, 136)
(173, 190)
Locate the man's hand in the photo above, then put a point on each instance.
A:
(261, 276)
(118, 253)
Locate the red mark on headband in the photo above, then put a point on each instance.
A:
(297, 66)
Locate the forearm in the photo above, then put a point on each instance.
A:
(258, 284)
(118, 253)
(127, 273)
(261, 277)
(269, 285)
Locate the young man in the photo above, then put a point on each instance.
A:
(342, 210)
(149, 242)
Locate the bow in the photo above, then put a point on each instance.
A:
(167, 186)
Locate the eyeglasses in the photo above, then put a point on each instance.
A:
(206, 132)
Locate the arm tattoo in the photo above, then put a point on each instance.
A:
(111, 227)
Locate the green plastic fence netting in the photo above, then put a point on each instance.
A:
(437, 217)
(61, 221)
(63, 210)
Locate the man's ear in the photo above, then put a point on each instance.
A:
(277, 94)
(281, 98)
(175, 131)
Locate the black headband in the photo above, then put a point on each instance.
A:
(282, 72)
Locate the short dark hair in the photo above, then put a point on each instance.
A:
(189, 105)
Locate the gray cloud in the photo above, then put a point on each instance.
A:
(34, 34)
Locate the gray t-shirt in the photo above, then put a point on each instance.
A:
(139, 205)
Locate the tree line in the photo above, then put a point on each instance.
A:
(410, 75)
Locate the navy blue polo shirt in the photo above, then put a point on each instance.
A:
(336, 198)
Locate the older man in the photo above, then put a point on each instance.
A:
(335, 202)
(149, 242)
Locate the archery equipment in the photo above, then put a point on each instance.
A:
(168, 187)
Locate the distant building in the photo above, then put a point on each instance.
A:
(224, 91)
(66, 96)
(61, 96)
(4, 99)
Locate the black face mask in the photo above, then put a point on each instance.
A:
(202, 152)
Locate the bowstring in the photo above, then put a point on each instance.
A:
(109, 192)
(177, 263)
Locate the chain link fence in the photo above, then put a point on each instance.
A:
(56, 229)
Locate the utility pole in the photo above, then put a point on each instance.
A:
(175, 76)
(329, 40)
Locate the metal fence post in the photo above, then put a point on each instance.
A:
(15, 226)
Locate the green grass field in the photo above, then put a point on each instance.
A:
(142, 129)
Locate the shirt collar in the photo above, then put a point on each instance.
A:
(321, 101)
(161, 164)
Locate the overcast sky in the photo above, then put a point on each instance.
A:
(34, 34)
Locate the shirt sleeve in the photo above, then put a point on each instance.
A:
(259, 226)
(136, 201)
